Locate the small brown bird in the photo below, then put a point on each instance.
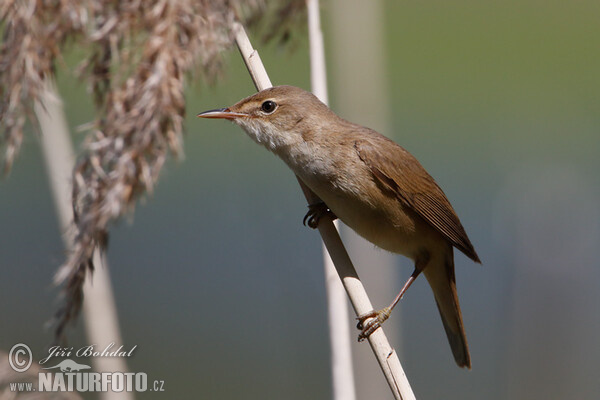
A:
(370, 183)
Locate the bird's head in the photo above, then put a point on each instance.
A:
(277, 117)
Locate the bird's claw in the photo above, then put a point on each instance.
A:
(370, 321)
(315, 212)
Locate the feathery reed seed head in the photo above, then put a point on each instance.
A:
(139, 54)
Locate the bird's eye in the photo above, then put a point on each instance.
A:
(268, 106)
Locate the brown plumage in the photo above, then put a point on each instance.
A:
(372, 184)
(420, 193)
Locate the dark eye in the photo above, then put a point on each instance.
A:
(268, 106)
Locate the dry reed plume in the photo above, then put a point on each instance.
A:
(33, 33)
(140, 53)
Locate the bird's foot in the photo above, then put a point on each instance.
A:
(370, 321)
(315, 212)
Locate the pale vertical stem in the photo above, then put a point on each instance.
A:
(357, 45)
(99, 309)
(251, 58)
(102, 324)
(318, 70)
(386, 356)
(337, 304)
(58, 156)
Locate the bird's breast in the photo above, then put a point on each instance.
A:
(378, 217)
(345, 183)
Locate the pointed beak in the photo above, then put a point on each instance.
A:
(221, 113)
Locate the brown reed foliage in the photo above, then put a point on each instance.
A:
(140, 54)
(34, 32)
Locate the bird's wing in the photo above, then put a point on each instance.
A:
(400, 173)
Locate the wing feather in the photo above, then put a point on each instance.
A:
(401, 173)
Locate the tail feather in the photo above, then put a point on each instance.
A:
(440, 275)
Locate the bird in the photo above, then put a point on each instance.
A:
(372, 184)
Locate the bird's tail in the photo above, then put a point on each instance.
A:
(440, 275)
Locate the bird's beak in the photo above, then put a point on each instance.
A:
(224, 113)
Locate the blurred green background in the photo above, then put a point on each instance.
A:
(221, 287)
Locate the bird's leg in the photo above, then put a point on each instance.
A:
(379, 317)
(315, 212)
